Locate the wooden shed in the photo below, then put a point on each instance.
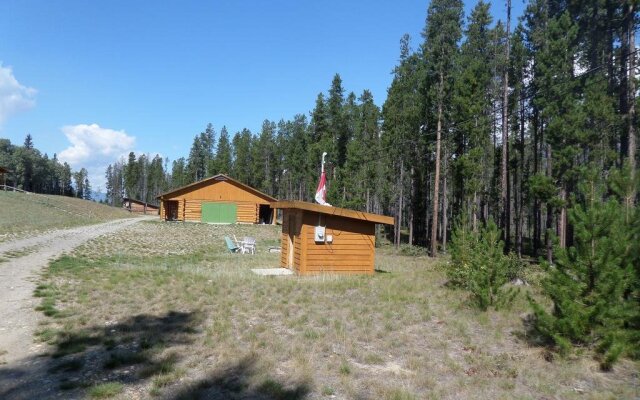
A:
(138, 206)
(323, 239)
(219, 199)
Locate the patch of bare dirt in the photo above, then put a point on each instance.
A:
(17, 282)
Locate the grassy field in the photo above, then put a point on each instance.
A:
(162, 310)
(25, 213)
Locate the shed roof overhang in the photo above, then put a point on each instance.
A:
(214, 179)
(337, 211)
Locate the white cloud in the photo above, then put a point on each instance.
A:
(91, 142)
(14, 97)
(94, 148)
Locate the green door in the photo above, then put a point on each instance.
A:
(220, 213)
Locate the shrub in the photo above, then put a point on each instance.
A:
(480, 266)
(594, 283)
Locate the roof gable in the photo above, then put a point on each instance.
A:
(213, 180)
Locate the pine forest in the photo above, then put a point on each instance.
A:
(501, 143)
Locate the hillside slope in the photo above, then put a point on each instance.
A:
(21, 213)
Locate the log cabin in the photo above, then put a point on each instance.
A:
(323, 239)
(137, 206)
(218, 199)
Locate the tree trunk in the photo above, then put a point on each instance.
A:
(474, 214)
(436, 186)
(400, 204)
(631, 88)
(427, 216)
(549, 221)
(444, 204)
(413, 194)
(537, 211)
(504, 196)
(520, 224)
(562, 224)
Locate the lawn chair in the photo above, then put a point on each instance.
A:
(234, 248)
(246, 245)
(249, 245)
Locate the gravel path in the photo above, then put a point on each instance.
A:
(18, 277)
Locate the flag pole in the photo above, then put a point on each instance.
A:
(324, 154)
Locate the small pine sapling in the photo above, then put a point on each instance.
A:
(480, 266)
(588, 281)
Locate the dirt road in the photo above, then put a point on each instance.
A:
(26, 258)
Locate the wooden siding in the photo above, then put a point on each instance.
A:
(248, 213)
(139, 208)
(226, 191)
(191, 210)
(284, 241)
(294, 220)
(351, 251)
(190, 200)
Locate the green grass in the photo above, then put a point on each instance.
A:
(105, 390)
(121, 305)
(22, 213)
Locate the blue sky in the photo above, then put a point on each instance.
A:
(94, 80)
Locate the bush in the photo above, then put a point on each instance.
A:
(594, 283)
(480, 266)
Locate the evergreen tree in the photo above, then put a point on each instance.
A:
(131, 176)
(441, 35)
(79, 178)
(196, 162)
(65, 178)
(301, 172)
(402, 122)
(87, 193)
(179, 175)
(588, 281)
(242, 157)
(224, 153)
(472, 105)
(264, 160)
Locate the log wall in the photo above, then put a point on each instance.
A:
(190, 201)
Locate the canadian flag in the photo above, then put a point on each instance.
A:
(321, 191)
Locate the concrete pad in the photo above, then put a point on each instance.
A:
(272, 271)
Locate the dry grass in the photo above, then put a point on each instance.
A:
(165, 310)
(29, 213)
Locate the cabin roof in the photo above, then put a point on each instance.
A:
(139, 202)
(214, 179)
(337, 211)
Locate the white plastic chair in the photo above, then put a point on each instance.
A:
(249, 244)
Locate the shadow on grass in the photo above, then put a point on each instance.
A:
(381, 271)
(124, 353)
(235, 382)
(531, 335)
